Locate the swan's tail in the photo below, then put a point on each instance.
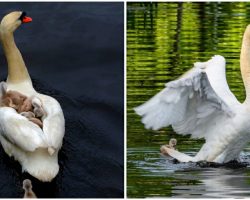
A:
(41, 165)
(38, 163)
(182, 157)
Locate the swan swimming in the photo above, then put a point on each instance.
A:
(171, 145)
(200, 103)
(36, 149)
(28, 192)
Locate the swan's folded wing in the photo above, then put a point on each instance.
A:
(53, 123)
(19, 131)
(195, 99)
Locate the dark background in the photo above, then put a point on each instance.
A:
(74, 52)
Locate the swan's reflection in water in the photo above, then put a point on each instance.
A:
(215, 182)
(187, 180)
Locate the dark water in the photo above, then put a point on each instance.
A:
(74, 52)
(163, 42)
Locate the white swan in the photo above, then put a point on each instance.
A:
(36, 149)
(200, 103)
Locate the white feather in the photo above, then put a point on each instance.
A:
(34, 148)
(200, 103)
(28, 143)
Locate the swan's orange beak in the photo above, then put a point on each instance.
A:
(26, 19)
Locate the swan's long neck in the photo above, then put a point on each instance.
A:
(17, 71)
(245, 62)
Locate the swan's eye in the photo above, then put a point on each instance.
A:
(22, 16)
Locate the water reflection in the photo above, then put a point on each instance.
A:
(163, 41)
(160, 175)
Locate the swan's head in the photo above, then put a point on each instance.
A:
(13, 20)
(173, 142)
(27, 185)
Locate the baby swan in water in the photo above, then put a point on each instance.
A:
(172, 144)
(27, 186)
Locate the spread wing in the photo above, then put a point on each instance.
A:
(193, 102)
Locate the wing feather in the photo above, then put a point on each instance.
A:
(20, 131)
(53, 123)
(198, 97)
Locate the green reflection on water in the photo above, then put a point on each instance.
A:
(163, 42)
